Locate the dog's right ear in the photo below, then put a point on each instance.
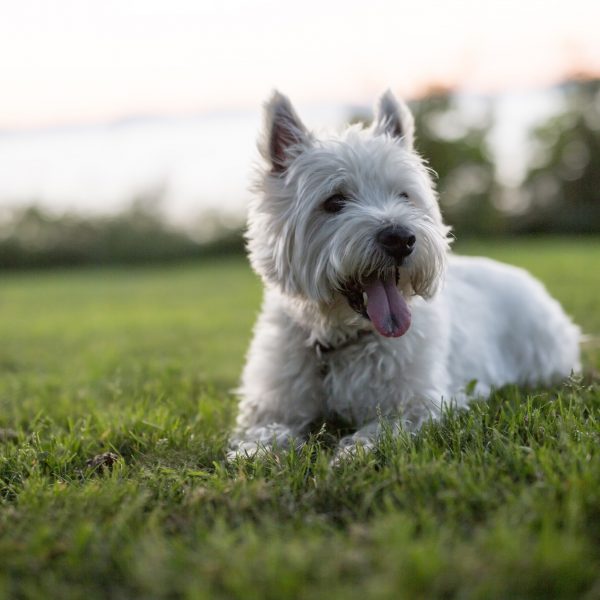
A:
(284, 133)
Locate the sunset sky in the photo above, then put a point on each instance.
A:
(74, 61)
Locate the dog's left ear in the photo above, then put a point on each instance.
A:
(284, 135)
(394, 118)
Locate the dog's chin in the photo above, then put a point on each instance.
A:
(376, 297)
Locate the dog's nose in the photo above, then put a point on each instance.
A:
(397, 241)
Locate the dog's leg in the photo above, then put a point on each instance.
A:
(259, 439)
(367, 436)
(364, 439)
(281, 390)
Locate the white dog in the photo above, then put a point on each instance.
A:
(367, 317)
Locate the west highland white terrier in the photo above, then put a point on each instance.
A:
(367, 316)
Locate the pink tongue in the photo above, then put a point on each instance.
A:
(386, 307)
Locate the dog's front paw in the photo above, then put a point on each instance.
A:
(350, 448)
(247, 450)
(259, 441)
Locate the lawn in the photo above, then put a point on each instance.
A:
(502, 501)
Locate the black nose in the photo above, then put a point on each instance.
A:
(397, 241)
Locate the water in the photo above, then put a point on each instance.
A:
(201, 163)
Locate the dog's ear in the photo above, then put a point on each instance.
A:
(394, 118)
(284, 133)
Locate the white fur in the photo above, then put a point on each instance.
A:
(472, 318)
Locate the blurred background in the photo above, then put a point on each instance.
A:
(128, 129)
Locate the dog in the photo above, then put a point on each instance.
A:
(368, 319)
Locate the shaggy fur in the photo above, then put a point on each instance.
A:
(325, 348)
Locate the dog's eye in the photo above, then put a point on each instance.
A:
(403, 195)
(335, 203)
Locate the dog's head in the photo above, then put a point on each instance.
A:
(350, 221)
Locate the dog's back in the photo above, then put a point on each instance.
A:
(506, 328)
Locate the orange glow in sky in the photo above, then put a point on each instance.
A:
(81, 60)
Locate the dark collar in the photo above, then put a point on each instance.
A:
(322, 350)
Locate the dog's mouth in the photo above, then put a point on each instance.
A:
(377, 298)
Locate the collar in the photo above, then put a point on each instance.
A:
(322, 350)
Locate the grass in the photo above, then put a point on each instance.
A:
(502, 501)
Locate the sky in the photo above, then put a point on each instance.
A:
(81, 61)
(75, 74)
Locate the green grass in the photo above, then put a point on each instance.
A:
(502, 501)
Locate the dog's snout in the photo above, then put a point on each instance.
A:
(397, 241)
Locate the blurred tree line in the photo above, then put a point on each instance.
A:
(33, 237)
(560, 192)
